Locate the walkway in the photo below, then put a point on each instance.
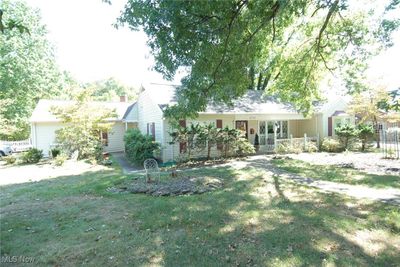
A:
(127, 168)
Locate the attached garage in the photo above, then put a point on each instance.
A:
(44, 124)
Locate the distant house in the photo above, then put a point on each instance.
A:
(253, 113)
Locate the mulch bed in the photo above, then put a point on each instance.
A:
(173, 187)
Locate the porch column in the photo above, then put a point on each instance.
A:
(126, 126)
(275, 137)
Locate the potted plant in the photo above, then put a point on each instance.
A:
(256, 143)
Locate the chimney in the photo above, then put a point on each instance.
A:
(123, 98)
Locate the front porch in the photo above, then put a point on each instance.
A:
(273, 132)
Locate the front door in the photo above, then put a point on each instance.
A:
(242, 125)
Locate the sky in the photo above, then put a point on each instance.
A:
(89, 47)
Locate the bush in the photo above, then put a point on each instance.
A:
(60, 159)
(139, 147)
(55, 152)
(243, 147)
(283, 148)
(346, 133)
(311, 147)
(10, 159)
(331, 145)
(33, 155)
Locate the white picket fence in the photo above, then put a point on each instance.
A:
(18, 146)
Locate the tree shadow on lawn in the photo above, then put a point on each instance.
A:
(337, 174)
(255, 220)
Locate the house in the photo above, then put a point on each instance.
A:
(44, 124)
(254, 113)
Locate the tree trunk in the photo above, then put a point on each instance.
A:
(208, 152)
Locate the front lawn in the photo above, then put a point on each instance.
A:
(337, 174)
(256, 219)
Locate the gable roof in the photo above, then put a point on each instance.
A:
(252, 102)
(42, 112)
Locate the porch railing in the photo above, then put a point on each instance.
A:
(18, 146)
(300, 141)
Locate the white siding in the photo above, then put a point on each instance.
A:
(133, 114)
(149, 112)
(45, 135)
(116, 138)
(340, 104)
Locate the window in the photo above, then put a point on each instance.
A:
(151, 130)
(104, 138)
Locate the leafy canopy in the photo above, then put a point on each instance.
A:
(28, 70)
(281, 46)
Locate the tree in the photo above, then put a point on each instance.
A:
(11, 24)
(110, 90)
(189, 136)
(365, 133)
(365, 105)
(84, 124)
(208, 137)
(392, 103)
(28, 70)
(346, 134)
(283, 47)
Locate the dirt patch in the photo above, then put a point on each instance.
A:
(181, 186)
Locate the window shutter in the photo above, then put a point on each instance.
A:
(329, 126)
(147, 129)
(153, 131)
(219, 126)
(182, 145)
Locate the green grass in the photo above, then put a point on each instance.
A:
(256, 219)
(337, 174)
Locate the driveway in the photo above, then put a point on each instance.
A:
(35, 172)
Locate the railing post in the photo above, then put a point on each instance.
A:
(305, 141)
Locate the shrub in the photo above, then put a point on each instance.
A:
(139, 147)
(311, 147)
(331, 145)
(60, 159)
(283, 148)
(346, 133)
(287, 148)
(10, 159)
(33, 155)
(243, 147)
(55, 152)
(365, 134)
